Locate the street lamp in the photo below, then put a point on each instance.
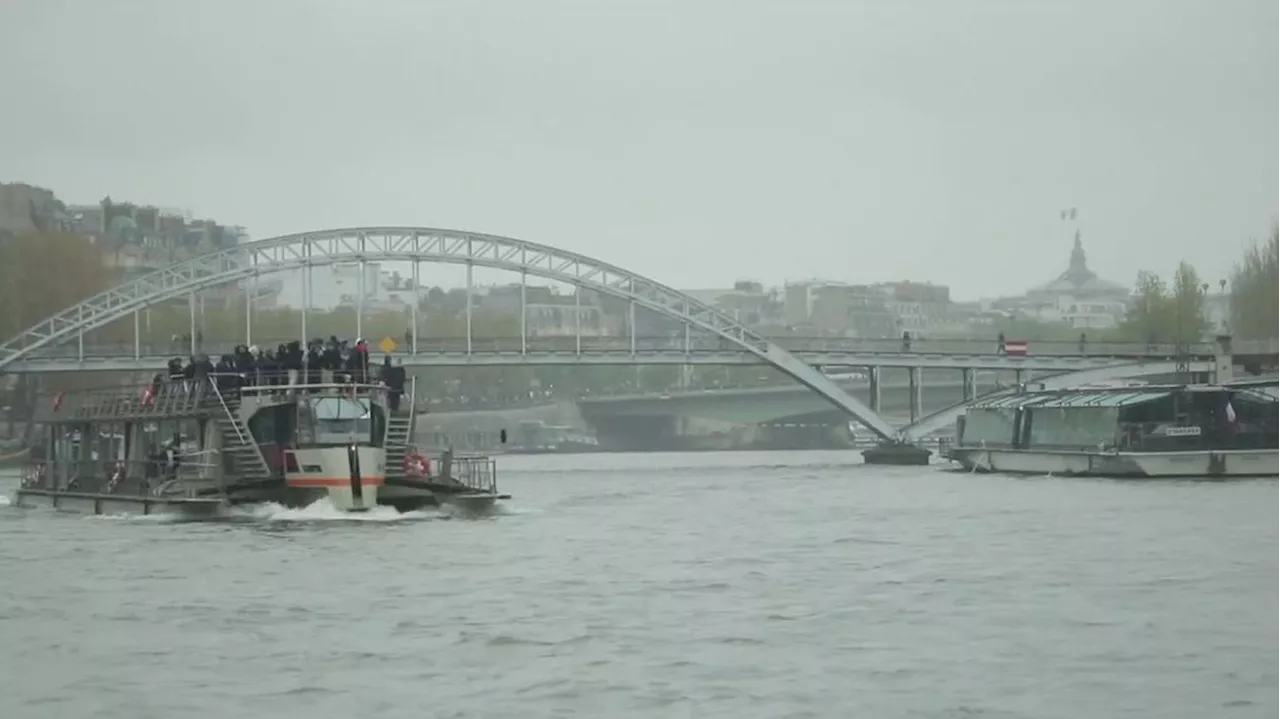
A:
(1226, 306)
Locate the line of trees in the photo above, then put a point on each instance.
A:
(1254, 280)
(42, 273)
(1167, 312)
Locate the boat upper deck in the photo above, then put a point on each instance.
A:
(179, 399)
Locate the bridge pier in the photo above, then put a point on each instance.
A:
(915, 385)
(897, 452)
(873, 387)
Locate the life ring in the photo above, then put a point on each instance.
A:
(416, 465)
(117, 474)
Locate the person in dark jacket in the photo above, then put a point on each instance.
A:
(394, 378)
(314, 362)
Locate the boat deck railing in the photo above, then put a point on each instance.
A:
(110, 476)
(184, 397)
(477, 473)
(276, 383)
(152, 400)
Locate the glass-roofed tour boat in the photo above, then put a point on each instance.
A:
(196, 445)
(1130, 431)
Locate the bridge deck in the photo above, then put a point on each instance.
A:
(833, 358)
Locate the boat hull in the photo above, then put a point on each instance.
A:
(113, 504)
(351, 477)
(404, 496)
(408, 495)
(1213, 464)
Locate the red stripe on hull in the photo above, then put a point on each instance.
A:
(332, 481)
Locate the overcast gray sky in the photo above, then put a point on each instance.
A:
(696, 141)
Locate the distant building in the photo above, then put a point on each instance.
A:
(747, 302)
(919, 307)
(1078, 297)
(25, 208)
(839, 308)
(549, 313)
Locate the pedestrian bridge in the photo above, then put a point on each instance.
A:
(814, 352)
(708, 336)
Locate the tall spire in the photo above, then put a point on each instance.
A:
(1079, 265)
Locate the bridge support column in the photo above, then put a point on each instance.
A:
(915, 387)
(897, 451)
(1222, 360)
(873, 375)
(967, 381)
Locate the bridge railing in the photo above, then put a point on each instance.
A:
(675, 345)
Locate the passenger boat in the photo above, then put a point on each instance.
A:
(195, 446)
(1133, 431)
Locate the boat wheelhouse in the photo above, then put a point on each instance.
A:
(1133, 431)
(196, 445)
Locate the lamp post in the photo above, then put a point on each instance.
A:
(1226, 306)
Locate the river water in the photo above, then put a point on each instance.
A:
(698, 585)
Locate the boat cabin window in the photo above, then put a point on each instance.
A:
(324, 421)
(991, 426)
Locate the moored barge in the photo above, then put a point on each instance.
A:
(1136, 431)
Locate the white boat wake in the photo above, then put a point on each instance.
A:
(322, 510)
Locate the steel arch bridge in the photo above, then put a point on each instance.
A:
(422, 244)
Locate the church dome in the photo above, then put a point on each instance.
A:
(1079, 279)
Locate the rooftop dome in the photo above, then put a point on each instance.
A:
(1078, 278)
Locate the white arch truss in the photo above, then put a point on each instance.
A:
(327, 247)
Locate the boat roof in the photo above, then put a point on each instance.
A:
(1096, 398)
(1114, 396)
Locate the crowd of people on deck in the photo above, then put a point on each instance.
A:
(321, 362)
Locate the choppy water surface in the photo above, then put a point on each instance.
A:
(713, 585)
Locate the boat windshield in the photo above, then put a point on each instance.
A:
(335, 414)
(332, 420)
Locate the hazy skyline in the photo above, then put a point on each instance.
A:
(696, 143)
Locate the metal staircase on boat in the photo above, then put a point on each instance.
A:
(247, 462)
(399, 435)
